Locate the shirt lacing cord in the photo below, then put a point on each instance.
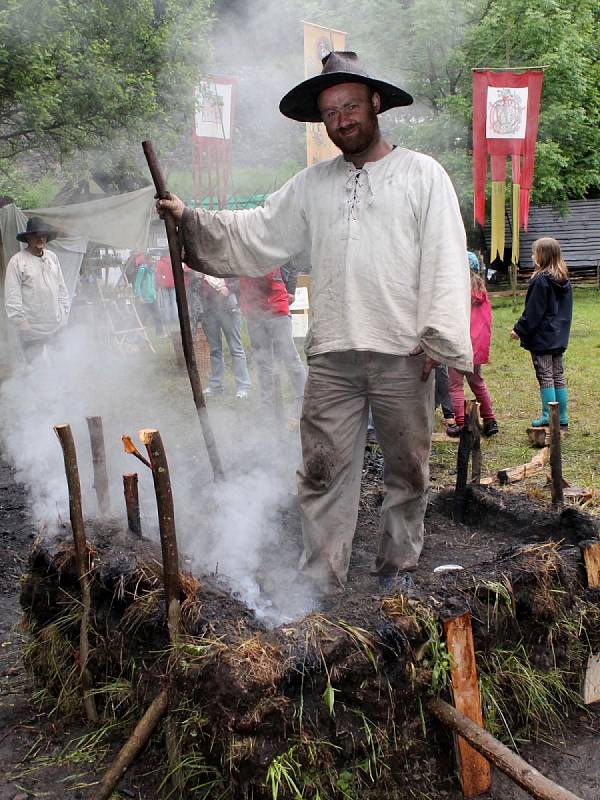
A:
(358, 181)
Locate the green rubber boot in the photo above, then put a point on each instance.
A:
(561, 398)
(548, 396)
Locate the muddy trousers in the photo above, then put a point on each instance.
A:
(339, 390)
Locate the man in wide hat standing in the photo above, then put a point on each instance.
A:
(390, 299)
(35, 295)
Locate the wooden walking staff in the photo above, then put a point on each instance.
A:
(65, 437)
(184, 316)
(99, 463)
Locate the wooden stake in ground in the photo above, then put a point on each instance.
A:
(159, 706)
(518, 770)
(132, 503)
(99, 463)
(468, 437)
(166, 522)
(184, 316)
(65, 437)
(555, 456)
(474, 770)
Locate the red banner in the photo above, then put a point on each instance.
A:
(506, 109)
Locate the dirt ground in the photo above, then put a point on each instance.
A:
(569, 757)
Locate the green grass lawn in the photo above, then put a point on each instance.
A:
(515, 395)
(514, 390)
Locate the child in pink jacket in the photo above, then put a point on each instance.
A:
(481, 331)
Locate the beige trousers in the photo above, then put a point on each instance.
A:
(339, 390)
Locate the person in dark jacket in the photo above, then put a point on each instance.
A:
(544, 326)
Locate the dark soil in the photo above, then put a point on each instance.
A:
(498, 525)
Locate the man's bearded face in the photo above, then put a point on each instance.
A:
(349, 112)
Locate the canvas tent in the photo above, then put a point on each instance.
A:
(122, 221)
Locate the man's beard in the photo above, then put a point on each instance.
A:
(359, 139)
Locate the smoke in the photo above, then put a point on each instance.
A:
(237, 530)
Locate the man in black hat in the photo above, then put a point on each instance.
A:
(35, 295)
(390, 299)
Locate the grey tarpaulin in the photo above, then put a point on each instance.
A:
(122, 221)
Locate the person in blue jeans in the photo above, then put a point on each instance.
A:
(217, 308)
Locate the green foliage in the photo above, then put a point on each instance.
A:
(79, 75)
(430, 48)
(520, 698)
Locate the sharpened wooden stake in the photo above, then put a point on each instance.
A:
(143, 731)
(473, 422)
(184, 315)
(517, 769)
(82, 561)
(465, 447)
(99, 463)
(132, 503)
(474, 771)
(555, 456)
(166, 522)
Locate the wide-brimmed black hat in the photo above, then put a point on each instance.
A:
(36, 225)
(338, 67)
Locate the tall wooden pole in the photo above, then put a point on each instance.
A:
(82, 561)
(99, 463)
(184, 315)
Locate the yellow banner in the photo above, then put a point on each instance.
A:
(318, 42)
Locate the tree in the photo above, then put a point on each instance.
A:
(430, 46)
(82, 75)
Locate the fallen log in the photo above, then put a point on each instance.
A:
(65, 437)
(537, 464)
(512, 765)
(133, 746)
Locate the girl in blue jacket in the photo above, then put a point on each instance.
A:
(544, 326)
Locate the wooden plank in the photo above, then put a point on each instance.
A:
(591, 559)
(591, 683)
(474, 769)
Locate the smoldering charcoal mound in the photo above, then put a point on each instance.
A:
(334, 702)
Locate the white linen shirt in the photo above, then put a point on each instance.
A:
(35, 290)
(387, 247)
